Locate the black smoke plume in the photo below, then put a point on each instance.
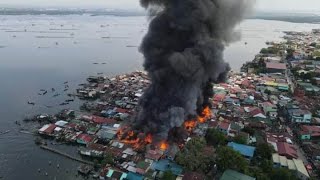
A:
(183, 52)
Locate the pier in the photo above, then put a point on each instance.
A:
(65, 155)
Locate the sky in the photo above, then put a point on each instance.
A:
(267, 5)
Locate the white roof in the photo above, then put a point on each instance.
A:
(291, 165)
(61, 123)
(275, 158)
(44, 128)
(283, 161)
(58, 129)
(300, 167)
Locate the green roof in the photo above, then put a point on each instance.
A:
(234, 175)
(143, 165)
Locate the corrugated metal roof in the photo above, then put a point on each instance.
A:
(300, 167)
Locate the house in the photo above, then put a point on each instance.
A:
(257, 113)
(106, 134)
(224, 127)
(167, 165)
(133, 176)
(84, 139)
(246, 151)
(142, 167)
(47, 129)
(276, 67)
(309, 132)
(287, 150)
(153, 154)
(234, 175)
(171, 152)
(299, 116)
(116, 175)
(270, 109)
(295, 165)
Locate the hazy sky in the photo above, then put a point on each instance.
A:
(288, 5)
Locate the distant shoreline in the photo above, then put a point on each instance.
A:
(276, 16)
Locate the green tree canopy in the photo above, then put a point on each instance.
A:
(249, 130)
(240, 139)
(168, 175)
(215, 138)
(282, 174)
(196, 156)
(227, 158)
(264, 151)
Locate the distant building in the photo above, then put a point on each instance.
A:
(299, 116)
(309, 132)
(287, 150)
(276, 67)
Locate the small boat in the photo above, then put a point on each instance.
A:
(52, 89)
(31, 103)
(66, 90)
(95, 63)
(69, 100)
(5, 132)
(45, 93)
(42, 90)
(65, 82)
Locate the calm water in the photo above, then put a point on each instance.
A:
(42, 52)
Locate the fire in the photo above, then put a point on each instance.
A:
(164, 146)
(205, 115)
(189, 125)
(148, 139)
(132, 138)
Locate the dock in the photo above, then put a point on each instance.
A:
(66, 155)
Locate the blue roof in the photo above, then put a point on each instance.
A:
(245, 150)
(167, 165)
(134, 176)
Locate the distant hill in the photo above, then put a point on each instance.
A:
(277, 16)
(289, 17)
(93, 12)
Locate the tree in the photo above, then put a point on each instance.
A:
(264, 51)
(264, 151)
(282, 174)
(258, 173)
(240, 139)
(168, 175)
(215, 138)
(249, 130)
(227, 158)
(196, 156)
(108, 159)
(313, 44)
(267, 91)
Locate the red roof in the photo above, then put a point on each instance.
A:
(246, 83)
(285, 149)
(219, 97)
(256, 112)
(312, 130)
(85, 137)
(50, 129)
(224, 125)
(120, 110)
(281, 66)
(152, 154)
(102, 120)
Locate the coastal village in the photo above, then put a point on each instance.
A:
(263, 123)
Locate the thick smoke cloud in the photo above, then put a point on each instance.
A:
(183, 52)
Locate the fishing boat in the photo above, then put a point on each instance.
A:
(5, 132)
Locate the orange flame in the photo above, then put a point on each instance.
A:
(189, 125)
(205, 115)
(164, 146)
(148, 139)
(130, 137)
